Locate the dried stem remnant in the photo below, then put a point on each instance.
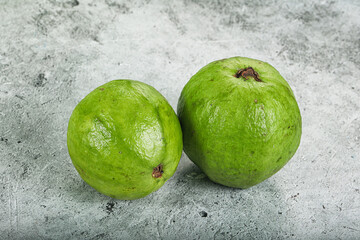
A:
(248, 72)
(158, 171)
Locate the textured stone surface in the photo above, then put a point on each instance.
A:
(52, 53)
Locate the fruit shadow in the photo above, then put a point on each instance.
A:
(81, 192)
(190, 173)
(190, 196)
(191, 185)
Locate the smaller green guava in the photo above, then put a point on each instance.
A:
(240, 121)
(124, 139)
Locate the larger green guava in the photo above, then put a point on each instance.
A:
(240, 121)
(124, 139)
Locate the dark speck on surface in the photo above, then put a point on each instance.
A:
(109, 207)
(75, 3)
(40, 81)
(203, 214)
(25, 171)
(20, 97)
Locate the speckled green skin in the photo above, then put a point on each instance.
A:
(119, 133)
(239, 132)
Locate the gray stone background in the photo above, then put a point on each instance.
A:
(52, 53)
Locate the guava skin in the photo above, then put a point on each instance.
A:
(124, 139)
(238, 130)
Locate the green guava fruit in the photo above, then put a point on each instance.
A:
(240, 121)
(124, 139)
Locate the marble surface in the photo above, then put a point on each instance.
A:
(52, 53)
